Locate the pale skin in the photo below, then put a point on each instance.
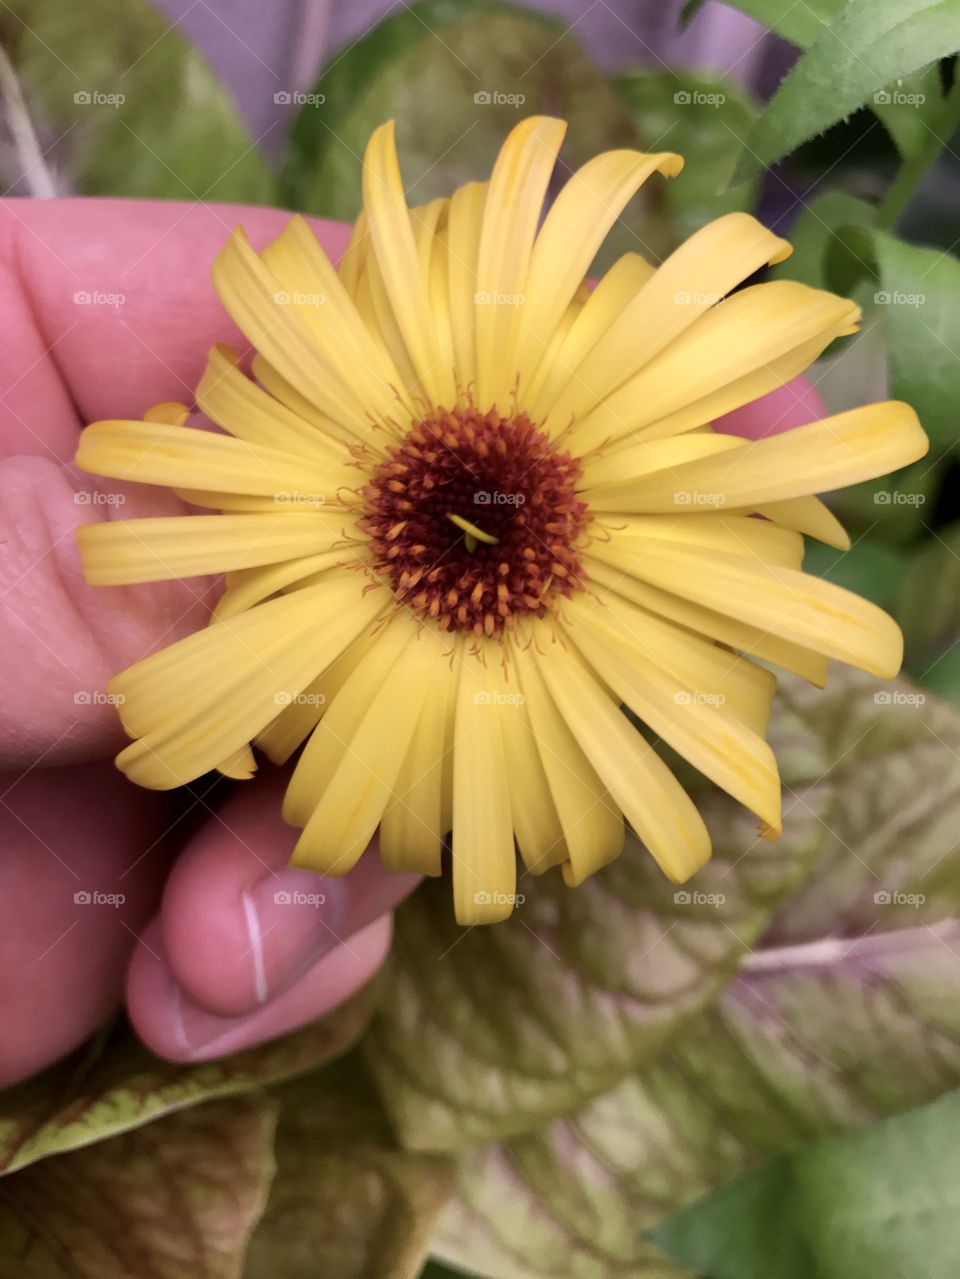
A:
(205, 958)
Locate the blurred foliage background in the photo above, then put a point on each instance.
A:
(544, 1123)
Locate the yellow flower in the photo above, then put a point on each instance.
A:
(468, 510)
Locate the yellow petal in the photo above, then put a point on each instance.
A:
(511, 215)
(592, 822)
(234, 402)
(738, 534)
(615, 291)
(646, 456)
(412, 829)
(250, 586)
(343, 719)
(183, 457)
(484, 858)
(807, 515)
(572, 232)
(301, 713)
(463, 242)
(202, 699)
(654, 802)
(829, 454)
(154, 550)
(721, 678)
(299, 263)
(737, 760)
(693, 279)
(240, 766)
(347, 812)
(536, 821)
(752, 640)
(756, 341)
(396, 252)
(275, 322)
(804, 609)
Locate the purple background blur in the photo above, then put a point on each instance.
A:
(260, 47)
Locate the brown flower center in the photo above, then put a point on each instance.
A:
(474, 519)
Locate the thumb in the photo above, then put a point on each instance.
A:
(61, 638)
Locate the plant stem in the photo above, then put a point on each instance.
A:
(915, 166)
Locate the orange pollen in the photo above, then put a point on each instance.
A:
(503, 477)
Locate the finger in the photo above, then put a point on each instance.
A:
(239, 927)
(170, 1024)
(794, 404)
(78, 879)
(111, 307)
(61, 638)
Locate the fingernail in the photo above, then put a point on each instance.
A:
(201, 1036)
(293, 918)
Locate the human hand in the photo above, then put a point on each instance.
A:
(105, 309)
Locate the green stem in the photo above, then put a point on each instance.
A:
(914, 167)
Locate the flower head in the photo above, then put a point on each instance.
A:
(470, 512)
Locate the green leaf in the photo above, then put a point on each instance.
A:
(869, 568)
(705, 118)
(919, 290)
(848, 1010)
(347, 1200)
(910, 109)
(928, 610)
(814, 236)
(489, 1032)
(882, 1203)
(126, 1086)
(456, 77)
(175, 1198)
(869, 45)
(801, 24)
(124, 105)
